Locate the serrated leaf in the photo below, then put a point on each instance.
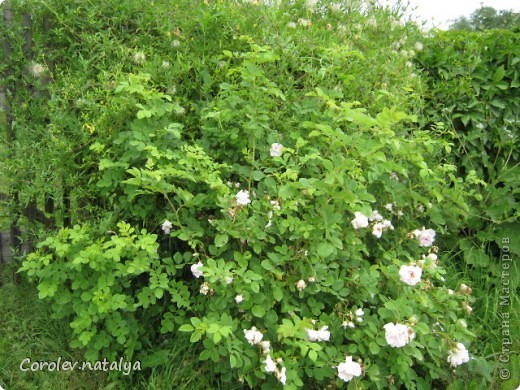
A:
(221, 240)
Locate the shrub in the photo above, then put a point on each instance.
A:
(472, 97)
(243, 183)
(473, 89)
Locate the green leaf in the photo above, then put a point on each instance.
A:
(325, 249)
(313, 355)
(255, 287)
(221, 240)
(196, 336)
(258, 175)
(374, 348)
(186, 328)
(277, 293)
(258, 311)
(499, 74)
(232, 361)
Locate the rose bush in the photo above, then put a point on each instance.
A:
(238, 190)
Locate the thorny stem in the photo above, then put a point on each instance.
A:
(175, 210)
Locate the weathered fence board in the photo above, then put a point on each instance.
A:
(11, 84)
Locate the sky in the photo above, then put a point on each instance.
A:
(443, 10)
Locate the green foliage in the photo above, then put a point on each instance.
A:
(476, 96)
(473, 99)
(97, 283)
(336, 159)
(220, 154)
(28, 332)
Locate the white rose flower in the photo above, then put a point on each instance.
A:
(360, 220)
(280, 375)
(387, 225)
(377, 229)
(275, 204)
(204, 289)
(375, 216)
(380, 227)
(239, 299)
(301, 285)
(318, 335)
(167, 227)
(323, 334)
(398, 335)
(424, 236)
(229, 280)
(266, 346)
(312, 335)
(359, 312)
(196, 269)
(270, 365)
(349, 369)
(253, 336)
(348, 324)
(458, 355)
(276, 150)
(410, 274)
(242, 198)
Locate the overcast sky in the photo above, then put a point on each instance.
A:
(443, 10)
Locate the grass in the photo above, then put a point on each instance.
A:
(29, 332)
(489, 320)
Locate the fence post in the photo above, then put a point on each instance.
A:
(10, 239)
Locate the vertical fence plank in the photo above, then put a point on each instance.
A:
(6, 96)
(49, 199)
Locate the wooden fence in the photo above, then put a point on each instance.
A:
(11, 84)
